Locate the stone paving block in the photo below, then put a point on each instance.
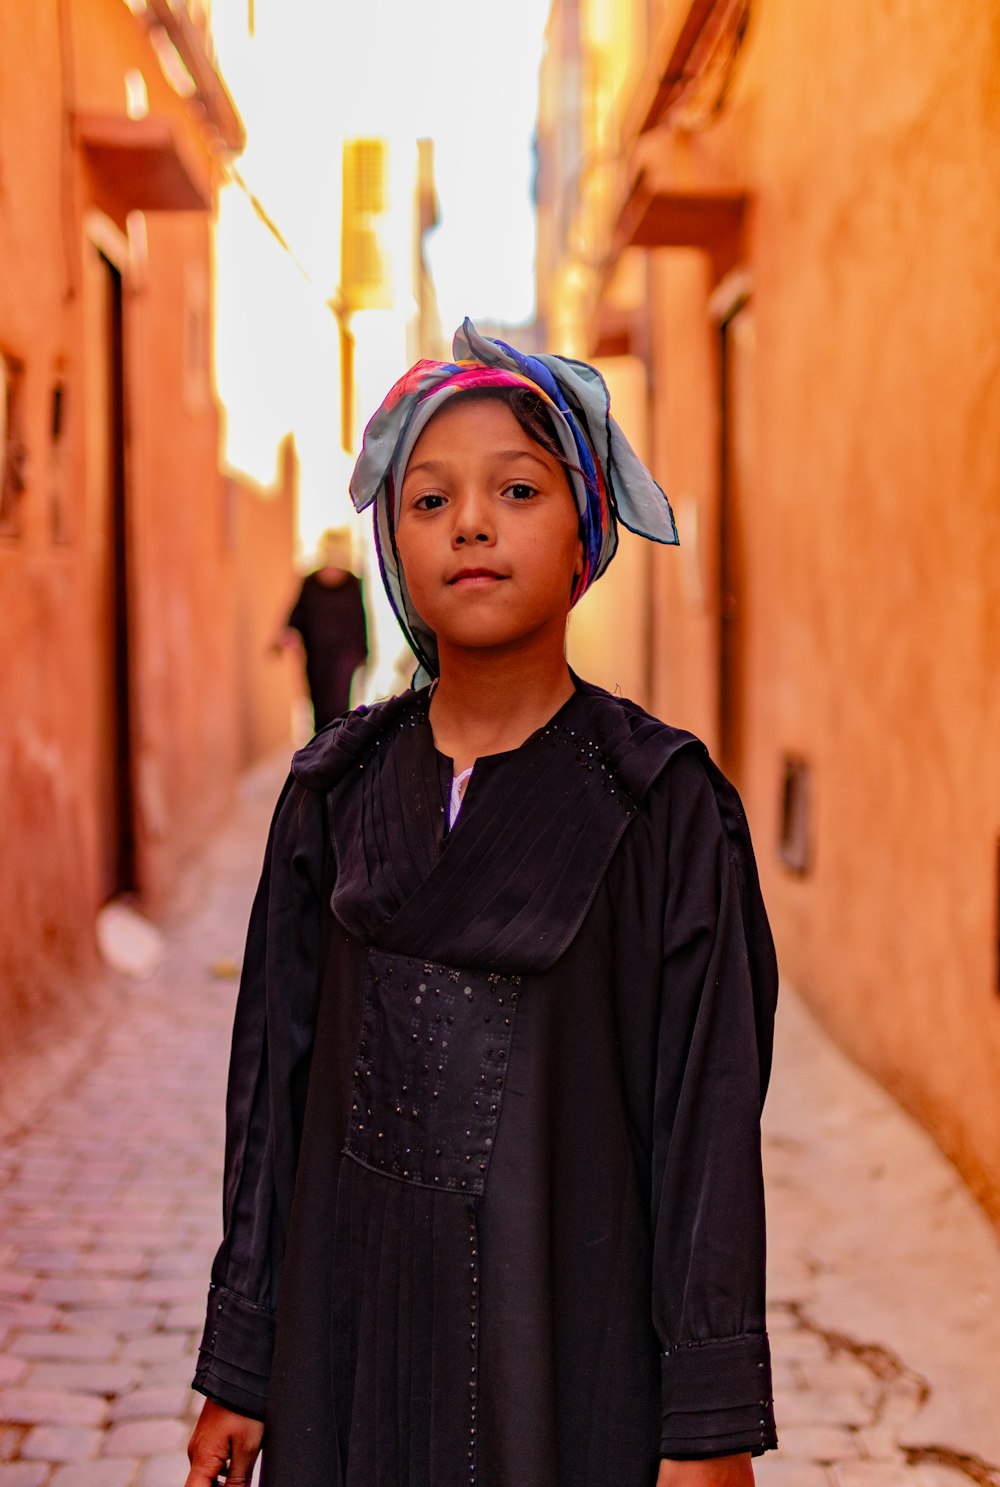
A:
(798, 1345)
(179, 1262)
(836, 1374)
(20, 1283)
(25, 1474)
(774, 1469)
(187, 1318)
(60, 1443)
(85, 1378)
(29, 1234)
(10, 1442)
(820, 1443)
(934, 1474)
(158, 1347)
(142, 1404)
(55, 1347)
(819, 1407)
(165, 1471)
(146, 1438)
(112, 1262)
(781, 1319)
(48, 1261)
(167, 1288)
(103, 1473)
(27, 1314)
(12, 1370)
(50, 1407)
(171, 1374)
(878, 1442)
(873, 1474)
(122, 1321)
(785, 1374)
(84, 1290)
(92, 1190)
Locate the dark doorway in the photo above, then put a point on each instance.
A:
(736, 380)
(115, 763)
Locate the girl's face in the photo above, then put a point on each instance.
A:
(487, 533)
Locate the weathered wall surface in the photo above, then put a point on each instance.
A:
(861, 428)
(875, 533)
(868, 387)
(265, 589)
(43, 594)
(56, 217)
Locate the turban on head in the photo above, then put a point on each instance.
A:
(609, 482)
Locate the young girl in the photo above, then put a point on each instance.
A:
(493, 1203)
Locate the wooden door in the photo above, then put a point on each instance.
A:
(108, 557)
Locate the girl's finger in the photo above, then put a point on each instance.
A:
(208, 1464)
(241, 1464)
(201, 1475)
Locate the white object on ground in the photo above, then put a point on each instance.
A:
(128, 942)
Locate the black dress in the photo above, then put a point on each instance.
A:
(493, 1158)
(331, 620)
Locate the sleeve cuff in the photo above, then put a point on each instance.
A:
(234, 1359)
(717, 1398)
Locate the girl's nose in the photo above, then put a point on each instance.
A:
(473, 523)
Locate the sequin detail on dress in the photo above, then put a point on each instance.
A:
(430, 1071)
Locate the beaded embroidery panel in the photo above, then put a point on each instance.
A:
(430, 1071)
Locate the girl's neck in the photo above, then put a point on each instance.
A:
(484, 705)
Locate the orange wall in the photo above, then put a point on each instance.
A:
(265, 583)
(183, 590)
(877, 278)
(871, 615)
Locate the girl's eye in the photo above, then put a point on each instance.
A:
(430, 502)
(520, 491)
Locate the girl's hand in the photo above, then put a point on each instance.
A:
(223, 1444)
(719, 1471)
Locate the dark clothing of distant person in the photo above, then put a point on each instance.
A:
(331, 620)
(494, 1207)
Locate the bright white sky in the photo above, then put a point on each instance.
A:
(462, 72)
(465, 74)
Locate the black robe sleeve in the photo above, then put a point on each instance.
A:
(718, 993)
(268, 1073)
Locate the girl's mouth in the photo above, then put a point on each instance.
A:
(475, 577)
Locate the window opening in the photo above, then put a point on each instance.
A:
(795, 827)
(13, 450)
(58, 516)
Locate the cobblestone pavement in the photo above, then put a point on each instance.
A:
(110, 1208)
(884, 1278)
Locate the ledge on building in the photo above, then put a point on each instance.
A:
(191, 47)
(673, 63)
(142, 164)
(678, 194)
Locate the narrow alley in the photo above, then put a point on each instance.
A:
(885, 1277)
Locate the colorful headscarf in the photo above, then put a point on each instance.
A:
(610, 483)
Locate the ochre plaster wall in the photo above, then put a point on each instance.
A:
(183, 593)
(268, 685)
(608, 629)
(872, 562)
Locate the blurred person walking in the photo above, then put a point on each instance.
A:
(328, 620)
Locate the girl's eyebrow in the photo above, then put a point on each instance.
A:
(436, 467)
